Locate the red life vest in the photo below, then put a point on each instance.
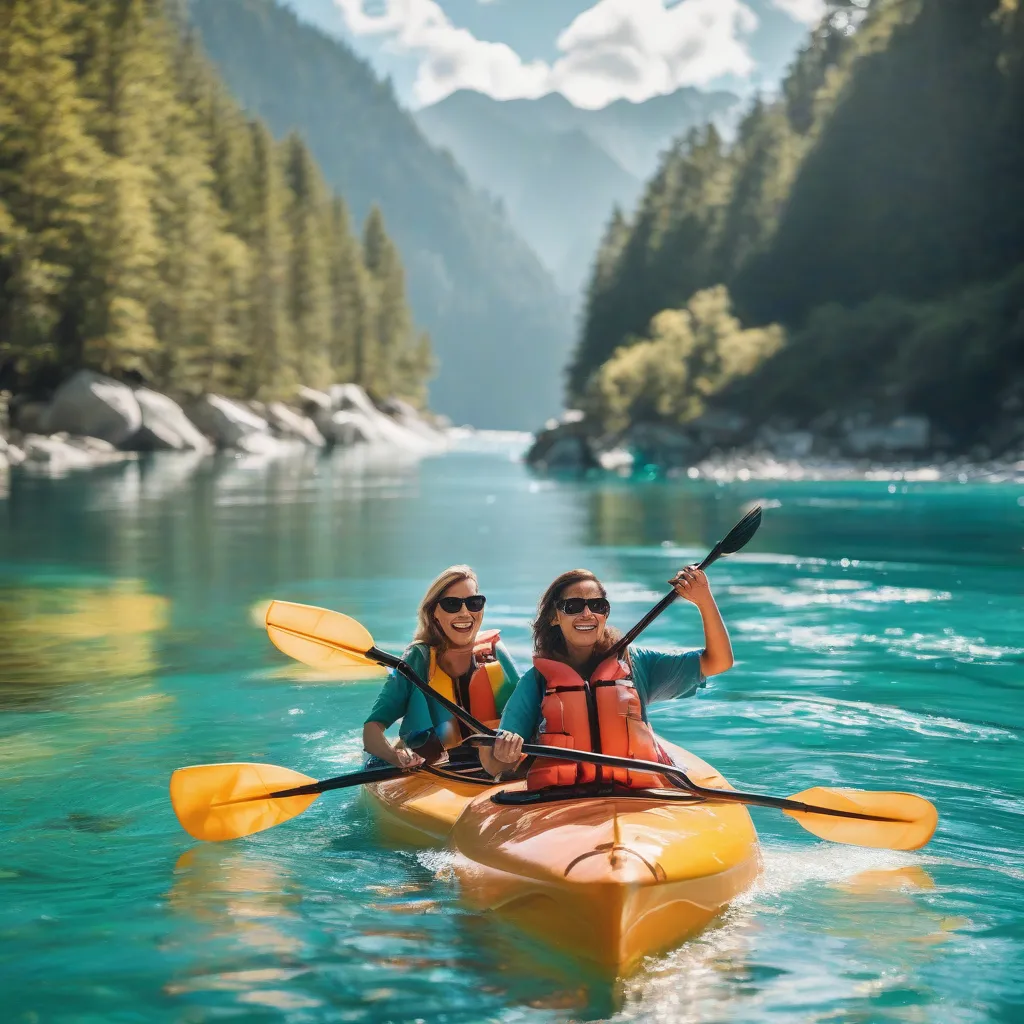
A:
(602, 715)
(485, 683)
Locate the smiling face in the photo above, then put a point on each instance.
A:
(585, 631)
(461, 627)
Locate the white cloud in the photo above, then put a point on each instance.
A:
(809, 12)
(617, 48)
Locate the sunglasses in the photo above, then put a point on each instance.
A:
(575, 605)
(451, 605)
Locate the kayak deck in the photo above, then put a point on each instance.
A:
(610, 879)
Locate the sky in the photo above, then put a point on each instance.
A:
(591, 52)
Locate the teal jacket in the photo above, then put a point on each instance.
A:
(399, 699)
(656, 675)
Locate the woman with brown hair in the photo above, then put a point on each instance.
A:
(575, 697)
(471, 668)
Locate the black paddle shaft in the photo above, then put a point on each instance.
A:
(736, 538)
(680, 778)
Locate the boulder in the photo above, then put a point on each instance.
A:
(225, 421)
(363, 418)
(661, 445)
(29, 417)
(165, 427)
(313, 403)
(58, 453)
(96, 406)
(564, 447)
(268, 445)
(347, 428)
(287, 423)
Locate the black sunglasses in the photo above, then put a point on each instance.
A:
(575, 605)
(451, 605)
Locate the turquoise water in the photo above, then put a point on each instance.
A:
(879, 633)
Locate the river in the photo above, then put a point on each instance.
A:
(879, 635)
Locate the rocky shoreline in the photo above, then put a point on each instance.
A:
(93, 420)
(725, 446)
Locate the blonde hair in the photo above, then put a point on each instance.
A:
(427, 630)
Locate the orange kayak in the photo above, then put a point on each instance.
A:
(610, 879)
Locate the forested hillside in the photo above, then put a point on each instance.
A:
(560, 169)
(500, 328)
(874, 213)
(147, 226)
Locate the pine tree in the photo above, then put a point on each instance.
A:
(272, 363)
(391, 321)
(350, 297)
(50, 170)
(309, 272)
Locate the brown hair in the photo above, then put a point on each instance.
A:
(548, 641)
(427, 630)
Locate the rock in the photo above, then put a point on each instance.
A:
(270, 446)
(568, 452)
(58, 454)
(657, 444)
(564, 447)
(14, 455)
(287, 423)
(96, 406)
(165, 427)
(225, 421)
(617, 460)
(405, 415)
(347, 428)
(903, 434)
(313, 402)
(365, 420)
(29, 417)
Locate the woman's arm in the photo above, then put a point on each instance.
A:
(376, 743)
(519, 720)
(692, 584)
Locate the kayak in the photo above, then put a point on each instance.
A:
(610, 879)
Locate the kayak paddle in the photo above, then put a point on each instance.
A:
(857, 817)
(324, 639)
(735, 539)
(215, 802)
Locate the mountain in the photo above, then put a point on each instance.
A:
(560, 170)
(500, 327)
(870, 219)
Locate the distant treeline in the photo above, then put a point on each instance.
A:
(867, 227)
(147, 225)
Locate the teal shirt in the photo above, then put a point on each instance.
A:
(657, 676)
(398, 697)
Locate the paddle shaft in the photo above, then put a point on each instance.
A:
(367, 776)
(716, 552)
(680, 777)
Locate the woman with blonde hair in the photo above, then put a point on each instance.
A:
(471, 668)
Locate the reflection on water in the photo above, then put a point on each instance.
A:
(59, 636)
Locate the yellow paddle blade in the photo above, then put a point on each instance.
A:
(227, 801)
(915, 824)
(325, 640)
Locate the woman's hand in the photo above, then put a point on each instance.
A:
(692, 584)
(508, 747)
(406, 758)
